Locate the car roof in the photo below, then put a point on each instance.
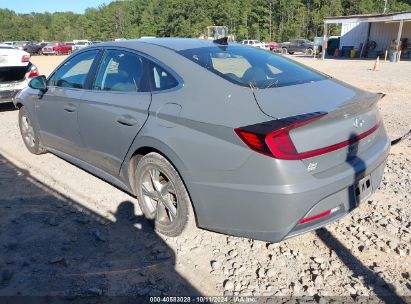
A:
(175, 44)
(6, 46)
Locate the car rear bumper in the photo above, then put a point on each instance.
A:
(7, 96)
(273, 213)
(342, 202)
(9, 91)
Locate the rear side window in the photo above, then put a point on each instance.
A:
(121, 71)
(73, 73)
(251, 66)
(161, 79)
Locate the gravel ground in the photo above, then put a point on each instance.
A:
(66, 232)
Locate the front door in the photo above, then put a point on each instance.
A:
(113, 112)
(57, 109)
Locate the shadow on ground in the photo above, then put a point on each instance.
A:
(52, 245)
(371, 279)
(384, 291)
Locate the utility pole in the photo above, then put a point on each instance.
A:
(246, 26)
(271, 12)
(385, 6)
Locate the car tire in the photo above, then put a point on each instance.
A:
(310, 52)
(29, 133)
(162, 196)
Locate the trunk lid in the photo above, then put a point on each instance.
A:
(10, 57)
(326, 95)
(12, 74)
(350, 128)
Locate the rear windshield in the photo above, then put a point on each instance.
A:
(252, 67)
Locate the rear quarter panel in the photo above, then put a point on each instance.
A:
(199, 140)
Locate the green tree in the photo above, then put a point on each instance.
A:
(189, 18)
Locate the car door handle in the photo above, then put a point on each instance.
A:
(127, 120)
(70, 107)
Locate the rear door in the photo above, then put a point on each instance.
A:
(293, 46)
(114, 110)
(57, 109)
(299, 45)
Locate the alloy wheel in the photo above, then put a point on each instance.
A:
(159, 195)
(27, 131)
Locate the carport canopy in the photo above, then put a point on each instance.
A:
(370, 18)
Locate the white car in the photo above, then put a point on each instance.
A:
(78, 45)
(254, 43)
(16, 71)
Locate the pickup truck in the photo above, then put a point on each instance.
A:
(16, 71)
(57, 48)
(298, 45)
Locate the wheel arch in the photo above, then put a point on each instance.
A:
(148, 145)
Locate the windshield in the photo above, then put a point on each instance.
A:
(51, 44)
(251, 67)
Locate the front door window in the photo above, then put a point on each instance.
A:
(73, 73)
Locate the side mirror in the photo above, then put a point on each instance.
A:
(39, 83)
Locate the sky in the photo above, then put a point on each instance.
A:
(40, 6)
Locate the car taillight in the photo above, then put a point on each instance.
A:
(25, 58)
(34, 72)
(273, 139)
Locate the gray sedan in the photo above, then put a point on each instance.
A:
(226, 137)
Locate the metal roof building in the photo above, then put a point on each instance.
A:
(378, 32)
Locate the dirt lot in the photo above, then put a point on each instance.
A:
(66, 232)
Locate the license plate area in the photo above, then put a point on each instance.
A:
(363, 189)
